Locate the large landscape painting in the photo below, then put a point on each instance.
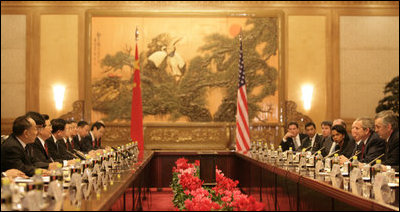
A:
(188, 67)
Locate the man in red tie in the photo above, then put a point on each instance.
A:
(64, 146)
(371, 145)
(79, 138)
(73, 133)
(39, 147)
(93, 139)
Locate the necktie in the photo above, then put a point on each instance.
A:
(362, 150)
(93, 142)
(46, 149)
(295, 144)
(72, 144)
(27, 151)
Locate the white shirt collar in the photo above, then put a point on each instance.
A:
(54, 138)
(92, 135)
(332, 147)
(41, 141)
(297, 139)
(313, 139)
(365, 141)
(22, 143)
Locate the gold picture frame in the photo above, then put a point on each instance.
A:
(111, 33)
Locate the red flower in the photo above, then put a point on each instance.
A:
(201, 199)
(190, 182)
(201, 203)
(181, 163)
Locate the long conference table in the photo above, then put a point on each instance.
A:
(279, 188)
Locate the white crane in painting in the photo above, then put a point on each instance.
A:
(174, 60)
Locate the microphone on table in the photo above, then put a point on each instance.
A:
(332, 154)
(74, 155)
(79, 153)
(357, 153)
(318, 150)
(376, 159)
(308, 148)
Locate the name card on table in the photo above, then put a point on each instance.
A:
(296, 158)
(106, 170)
(32, 201)
(56, 191)
(328, 163)
(382, 190)
(319, 166)
(87, 183)
(97, 177)
(75, 190)
(356, 181)
(336, 176)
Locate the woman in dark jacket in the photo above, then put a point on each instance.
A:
(343, 143)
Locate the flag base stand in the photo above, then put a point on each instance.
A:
(207, 170)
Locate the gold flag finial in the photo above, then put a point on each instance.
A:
(137, 34)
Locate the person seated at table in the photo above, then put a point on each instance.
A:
(64, 145)
(39, 147)
(371, 145)
(93, 140)
(78, 139)
(342, 141)
(326, 127)
(292, 138)
(313, 141)
(387, 127)
(15, 151)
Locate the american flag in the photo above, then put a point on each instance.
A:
(242, 118)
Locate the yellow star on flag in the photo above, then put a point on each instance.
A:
(136, 65)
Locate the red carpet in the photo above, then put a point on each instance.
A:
(159, 200)
(154, 201)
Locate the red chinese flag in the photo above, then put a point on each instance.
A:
(137, 111)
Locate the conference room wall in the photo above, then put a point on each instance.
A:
(321, 23)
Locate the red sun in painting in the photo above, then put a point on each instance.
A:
(234, 29)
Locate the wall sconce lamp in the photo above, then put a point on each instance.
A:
(307, 91)
(58, 92)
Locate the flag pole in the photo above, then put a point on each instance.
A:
(137, 110)
(242, 121)
(136, 34)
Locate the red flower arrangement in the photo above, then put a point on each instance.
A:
(191, 196)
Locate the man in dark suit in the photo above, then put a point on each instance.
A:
(93, 140)
(38, 147)
(292, 138)
(313, 141)
(15, 151)
(73, 133)
(326, 140)
(387, 127)
(82, 132)
(57, 133)
(64, 146)
(372, 146)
